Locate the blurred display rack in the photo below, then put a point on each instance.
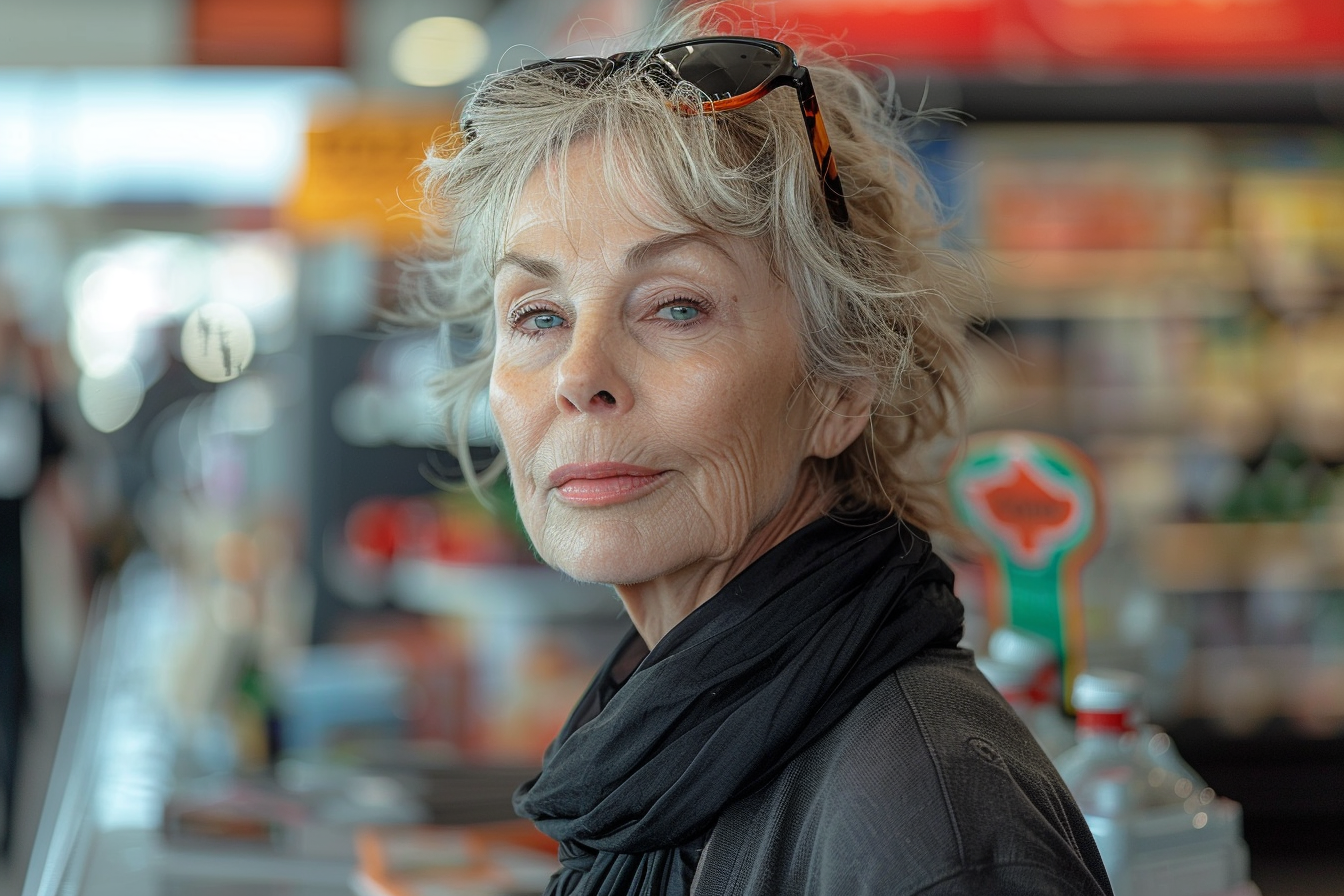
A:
(1189, 558)
(1288, 772)
(99, 832)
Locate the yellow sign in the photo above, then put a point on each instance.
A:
(361, 173)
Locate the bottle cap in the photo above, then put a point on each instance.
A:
(1006, 677)
(1106, 690)
(1021, 648)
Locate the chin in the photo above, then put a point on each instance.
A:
(610, 552)
(601, 571)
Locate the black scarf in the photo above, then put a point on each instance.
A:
(664, 741)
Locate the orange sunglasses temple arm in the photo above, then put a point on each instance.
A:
(821, 150)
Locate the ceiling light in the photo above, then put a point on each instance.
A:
(437, 51)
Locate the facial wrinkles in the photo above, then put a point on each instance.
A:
(737, 474)
(713, 404)
(729, 470)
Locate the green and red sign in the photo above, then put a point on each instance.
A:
(1034, 502)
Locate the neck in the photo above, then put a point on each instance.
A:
(656, 606)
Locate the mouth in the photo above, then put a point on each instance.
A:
(602, 484)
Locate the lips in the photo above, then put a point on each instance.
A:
(600, 484)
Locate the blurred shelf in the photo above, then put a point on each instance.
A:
(1287, 685)
(1222, 557)
(1113, 284)
(1121, 411)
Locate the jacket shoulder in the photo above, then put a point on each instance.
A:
(1004, 802)
(930, 778)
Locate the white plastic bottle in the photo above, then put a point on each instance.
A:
(1160, 748)
(1157, 832)
(1015, 684)
(1022, 666)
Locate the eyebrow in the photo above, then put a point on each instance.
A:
(542, 270)
(637, 256)
(645, 253)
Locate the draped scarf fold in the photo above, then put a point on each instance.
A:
(664, 740)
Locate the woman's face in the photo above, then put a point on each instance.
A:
(644, 383)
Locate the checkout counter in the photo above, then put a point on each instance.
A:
(136, 805)
(101, 827)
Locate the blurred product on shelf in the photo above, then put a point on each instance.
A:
(496, 646)
(1287, 205)
(485, 860)
(1157, 830)
(1098, 221)
(338, 693)
(1024, 668)
(491, 688)
(1076, 188)
(450, 527)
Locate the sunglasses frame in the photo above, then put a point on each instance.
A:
(787, 73)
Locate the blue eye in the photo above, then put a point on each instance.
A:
(530, 320)
(679, 312)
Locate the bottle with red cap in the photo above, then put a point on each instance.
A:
(1023, 668)
(1157, 830)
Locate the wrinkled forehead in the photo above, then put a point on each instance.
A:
(592, 184)
(595, 214)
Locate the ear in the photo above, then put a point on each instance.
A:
(843, 413)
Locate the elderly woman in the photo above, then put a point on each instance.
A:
(714, 352)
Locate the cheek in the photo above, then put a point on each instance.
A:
(519, 406)
(740, 415)
(752, 394)
(518, 398)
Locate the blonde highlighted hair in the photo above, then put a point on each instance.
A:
(880, 303)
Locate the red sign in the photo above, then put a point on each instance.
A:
(1038, 36)
(268, 32)
(1030, 514)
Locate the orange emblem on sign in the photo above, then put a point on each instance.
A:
(1030, 516)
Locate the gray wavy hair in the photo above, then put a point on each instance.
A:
(882, 303)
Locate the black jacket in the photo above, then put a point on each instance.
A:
(931, 785)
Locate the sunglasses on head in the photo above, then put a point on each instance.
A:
(730, 72)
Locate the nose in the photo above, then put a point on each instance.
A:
(591, 376)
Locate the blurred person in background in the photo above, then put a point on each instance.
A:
(29, 441)
(715, 355)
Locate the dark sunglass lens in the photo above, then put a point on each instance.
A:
(723, 69)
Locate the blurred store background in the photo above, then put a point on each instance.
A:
(254, 620)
